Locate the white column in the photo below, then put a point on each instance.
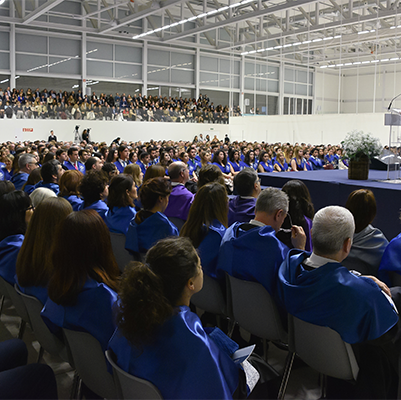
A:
(145, 68)
(242, 84)
(197, 72)
(83, 63)
(12, 57)
(281, 90)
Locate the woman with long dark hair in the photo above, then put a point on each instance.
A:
(82, 286)
(122, 193)
(158, 337)
(150, 224)
(15, 213)
(207, 223)
(34, 266)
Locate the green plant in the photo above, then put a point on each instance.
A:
(359, 145)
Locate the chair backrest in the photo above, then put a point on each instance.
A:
(210, 298)
(178, 222)
(17, 301)
(123, 257)
(4, 288)
(129, 386)
(322, 349)
(48, 340)
(395, 278)
(255, 311)
(90, 363)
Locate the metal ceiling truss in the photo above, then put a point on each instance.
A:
(289, 29)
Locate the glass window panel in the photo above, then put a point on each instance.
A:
(31, 43)
(4, 61)
(158, 74)
(288, 88)
(289, 75)
(249, 68)
(237, 67)
(128, 71)
(301, 76)
(208, 79)
(311, 77)
(235, 82)
(4, 41)
(286, 105)
(225, 66)
(181, 76)
(272, 86)
(250, 98)
(64, 47)
(158, 57)
(129, 54)
(56, 84)
(305, 107)
(182, 60)
(292, 106)
(272, 104)
(261, 84)
(301, 89)
(99, 51)
(249, 83)
(224, 80)
(95, 68)
(299, 106)
(310, 91)
(309, 106)
(273, 72)
(261, 106)
(64, 65)
(208, 64)
(164, 91)
(27, 62)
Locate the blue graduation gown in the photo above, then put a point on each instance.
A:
(6, 175)
(142, 166)
(316, 163)
(225, 169)
(81, 167)
(9, 249)
(391, 260)
(241, 210)
(2, 175)
(238, 167)
(75, 201)
(331, 296)
(253, 255)
(192, 166)
(284, 167)
(140, 238)
(118, 219)
(29, 188)
(19, 180)
(120, 166)
(183, 362)
(92, 312)
(51, 186)
(266, 167)
(99, 206)
(209, 248)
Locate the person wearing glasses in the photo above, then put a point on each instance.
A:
(251, 251)
(26, 163)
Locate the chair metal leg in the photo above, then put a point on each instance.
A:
(2, 303)
(40, 355)
(231, 326)
(21, 329)
(286, 375)
(323, 382)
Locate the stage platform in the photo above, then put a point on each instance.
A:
(333, 187)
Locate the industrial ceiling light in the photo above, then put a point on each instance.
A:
(2, 1)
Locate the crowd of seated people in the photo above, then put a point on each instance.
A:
(51, 104)
(142, 190)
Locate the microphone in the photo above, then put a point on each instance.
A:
(391, 102)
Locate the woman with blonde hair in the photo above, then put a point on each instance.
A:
(135, 171)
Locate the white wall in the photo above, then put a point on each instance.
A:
(326, 91)
(329, 128)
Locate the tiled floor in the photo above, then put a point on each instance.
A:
(303, 383)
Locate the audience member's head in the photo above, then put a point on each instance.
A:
(122, 191)
(27, 163)
(39, 194)
(135, 171)
(154, 171)
(178, 172)
(51, 171)
(33, 263)
(300, 201)
(93, 187)
(333, 230)
(362, 204)
(69, 183)
(210, 173)
(246, 183)
(6, 187)
(93, 163)
(109, 169)
(15, 213)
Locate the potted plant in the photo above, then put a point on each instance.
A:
(359, 147)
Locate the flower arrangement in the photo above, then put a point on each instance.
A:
(359, 145)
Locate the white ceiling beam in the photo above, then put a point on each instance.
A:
(142, 14)
(242, 17)
(41, 10)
